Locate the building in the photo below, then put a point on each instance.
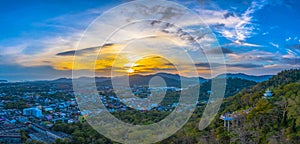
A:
(48, 109)
(10, 138)
(233, 117)
(45, 135)
(268, 94)
(33, 112)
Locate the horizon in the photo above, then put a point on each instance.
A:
(206, 78)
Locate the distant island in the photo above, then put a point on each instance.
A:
(3, 81)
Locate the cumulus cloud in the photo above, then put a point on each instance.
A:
(232, 25)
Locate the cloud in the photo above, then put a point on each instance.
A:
(153, 64)
(259, 58)
(10, 53)
(254, 56)
(244, 65)
(295, 46)
(274, 45)
(17, 72)
(147, 65)
(67, 53)
(290, 54)
(176, 31)
(229, 14)
(233, 25)
(37, 52)
(241, 43)
(207, 65)
(90, 50)
(217, 51)
(291, 61)
(80, 52)
(68, 22)
(61, 33)
(237, 65)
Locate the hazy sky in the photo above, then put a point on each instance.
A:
(38, 38)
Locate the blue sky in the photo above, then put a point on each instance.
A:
(260, 36)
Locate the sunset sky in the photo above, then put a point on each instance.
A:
(38, 38)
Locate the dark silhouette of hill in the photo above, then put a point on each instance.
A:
(260, 78)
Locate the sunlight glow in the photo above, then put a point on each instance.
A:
(130, 70)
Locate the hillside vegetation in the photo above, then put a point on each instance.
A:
(272, 120)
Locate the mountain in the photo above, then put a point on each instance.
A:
(62, 80)
(233, 86)
(260, 78)
(170, 79)
(177, 77)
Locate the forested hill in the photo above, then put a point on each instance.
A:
(268, 120)
(233, 86)
(249, 97)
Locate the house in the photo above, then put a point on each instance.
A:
(48, 109)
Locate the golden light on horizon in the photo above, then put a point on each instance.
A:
(130, 70)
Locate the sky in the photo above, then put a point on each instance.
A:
(38, 39)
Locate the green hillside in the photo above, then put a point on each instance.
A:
(270, 120)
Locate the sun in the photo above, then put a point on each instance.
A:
(130, 70)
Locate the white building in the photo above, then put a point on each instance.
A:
(33, 112)
(268, 94)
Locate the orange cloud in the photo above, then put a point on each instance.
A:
(153, 64)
